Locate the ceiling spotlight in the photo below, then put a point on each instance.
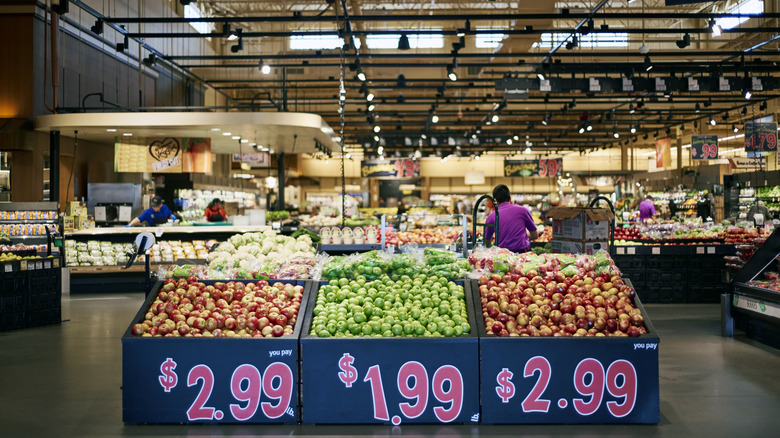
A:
(631, 109)
(615, 134)
(376, 138)
(380, 150)
(581, 130)
(589, 127)
(476, 157)
(371, 107)
(715, 28)
(734, 128)
(573, 103)
(424, 137)
(509, 141)
(348, 156)
(494, 119)
(434, 119)
(265, 68)
(540, 76)
(748, 94)
(633, 129)
(697, 108)
(712, 121)
(527, 150)
(684, 42)
(361, 75)
(400, 81)
(239, 44)
(572, 44)
(369, 96)
(648, 65)
(97, 29)
(403, 42)
(377, 128)
(516, 138)
(643, 49)
(451, 74)
(544, 121)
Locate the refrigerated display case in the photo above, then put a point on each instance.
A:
(753, 305)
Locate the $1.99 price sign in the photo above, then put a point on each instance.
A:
(391, 382)
(232, 384)
(558, 386)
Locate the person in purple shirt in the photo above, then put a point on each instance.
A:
(646, 208)
(515, 223)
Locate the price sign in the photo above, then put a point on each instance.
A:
(390, 380)
(38, 265)
(704, 147)
(47, 265)
(551, 167)
(760, 137)
(8, 267)
(170, 380)
(570, 380)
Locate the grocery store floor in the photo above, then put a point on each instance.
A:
(65, 380)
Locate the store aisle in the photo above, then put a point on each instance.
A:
(65, 381)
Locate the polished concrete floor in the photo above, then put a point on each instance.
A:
(64, 381)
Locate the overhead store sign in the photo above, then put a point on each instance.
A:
(663, 152)
(760, 137)
(544, 167)
(510, 86)
(747, 163)
(704, 147)
(253, 160)
(405, 168)
(164, 155)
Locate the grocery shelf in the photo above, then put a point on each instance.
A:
(171, 229)
(115, 268)
(332, 249)
(31, 221)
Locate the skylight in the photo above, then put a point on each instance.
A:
(488, 40)
(746, 7)
(192, 11)
(316, 42)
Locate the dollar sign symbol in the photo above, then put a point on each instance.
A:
(168, 379)
(505, 388)
(348, 373)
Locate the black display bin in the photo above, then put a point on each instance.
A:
(211, 380)
(356, 380)
(534, 380)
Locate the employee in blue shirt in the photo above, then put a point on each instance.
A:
(157, 214)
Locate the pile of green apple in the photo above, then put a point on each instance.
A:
(418, 306)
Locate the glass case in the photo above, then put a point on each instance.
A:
(755, 296)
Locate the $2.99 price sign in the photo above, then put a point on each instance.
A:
(237, 382)
(564, 382)
(247, 385)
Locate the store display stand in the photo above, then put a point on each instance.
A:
(752, 308)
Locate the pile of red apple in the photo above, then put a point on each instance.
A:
(190, 308)
(627, 233)
(420, 235)
(554, 305)
(740, 236)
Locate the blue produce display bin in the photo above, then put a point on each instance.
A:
(211, 380)
(568, 380)
(362, 380)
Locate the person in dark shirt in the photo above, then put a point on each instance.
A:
(157, 214)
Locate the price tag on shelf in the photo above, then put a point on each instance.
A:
(631, 251)
(38, 265)
(8, 267)
(56, 263)
(568, 382)
(699, 250)
(276, 225)
(250, 381)
(710, 250)
(23, 265)
(655, 250)
(47, 265)
(453, 247)
(390, 380)
(620, 251)
(391, 249)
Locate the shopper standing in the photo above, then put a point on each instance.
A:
(516, 228)
(758, 209)
(646, 208)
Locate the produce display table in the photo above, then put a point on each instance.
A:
(386, 380)
(569, 380)
(210, 380)
(674, 273)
